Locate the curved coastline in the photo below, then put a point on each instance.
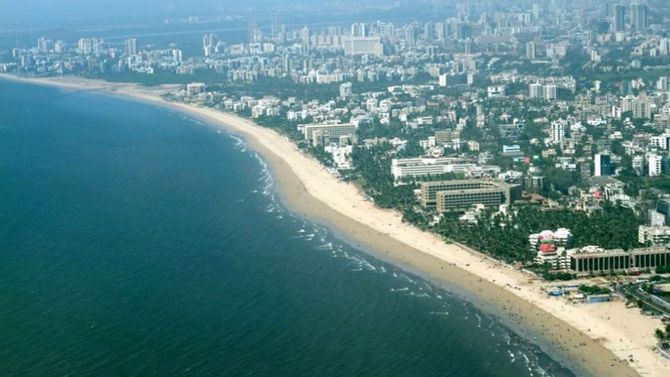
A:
(591, 339)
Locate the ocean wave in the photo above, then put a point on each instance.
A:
(479, 320)
(439, 313)
(326, 246)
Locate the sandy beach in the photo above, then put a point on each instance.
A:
(602, 339)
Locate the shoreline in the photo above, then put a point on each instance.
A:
(593, 338)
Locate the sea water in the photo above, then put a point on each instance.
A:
(136, 241)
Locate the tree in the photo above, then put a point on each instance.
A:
(412, 149)
(659, 335)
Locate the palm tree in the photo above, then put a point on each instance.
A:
(660, 336)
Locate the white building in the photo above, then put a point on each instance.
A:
(550, 92)
(535, 91)
(421, 167)
(530, 50)
(442, 81)
(641, 109)
(654, 164)
(131, 46)
(346, 90)
(177, 56)
(324, 133)
(655, 235)
(341, 155)
(558, 131)
(195, 88)
(496, 91)
(363, 46)
(660, 141)
(551, 247)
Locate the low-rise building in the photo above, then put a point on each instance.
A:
(653, 235)
(323, 134)
(460, 195)
(551, 247)
(422, 167)
(195, 88)
(593, 259)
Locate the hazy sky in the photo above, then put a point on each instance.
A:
(64, 10)
(25, 14)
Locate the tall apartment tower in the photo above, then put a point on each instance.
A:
(530, 50)
(654, 162)
(602, 165)
(619, 24)
(131, 46)
(558, 132)
(639, 17)
(209, 44)
(359, 29)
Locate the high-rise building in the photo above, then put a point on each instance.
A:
(530, 50)
(359, 29)
(177, 56)
(44, 45)
(664, 46)
(442, 80)
(131, 46)
(440, 31)
(602, 165)
(537, 11)
(638, 17)
(641, 109)
(550, 92)
(304, 35)
(410, 35)
(85, 46)
(619, 24)
(470, 79)
(254, 32)
(535, 90)
(627, 103)
(428, 31)
(59, 47)
(558, 132)
(209, 44)
(275, 27)
(98, 45)
(663, 206)
(654, 163)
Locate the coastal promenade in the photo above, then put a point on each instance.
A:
(600, 340)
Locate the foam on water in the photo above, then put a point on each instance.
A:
(412, 287)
